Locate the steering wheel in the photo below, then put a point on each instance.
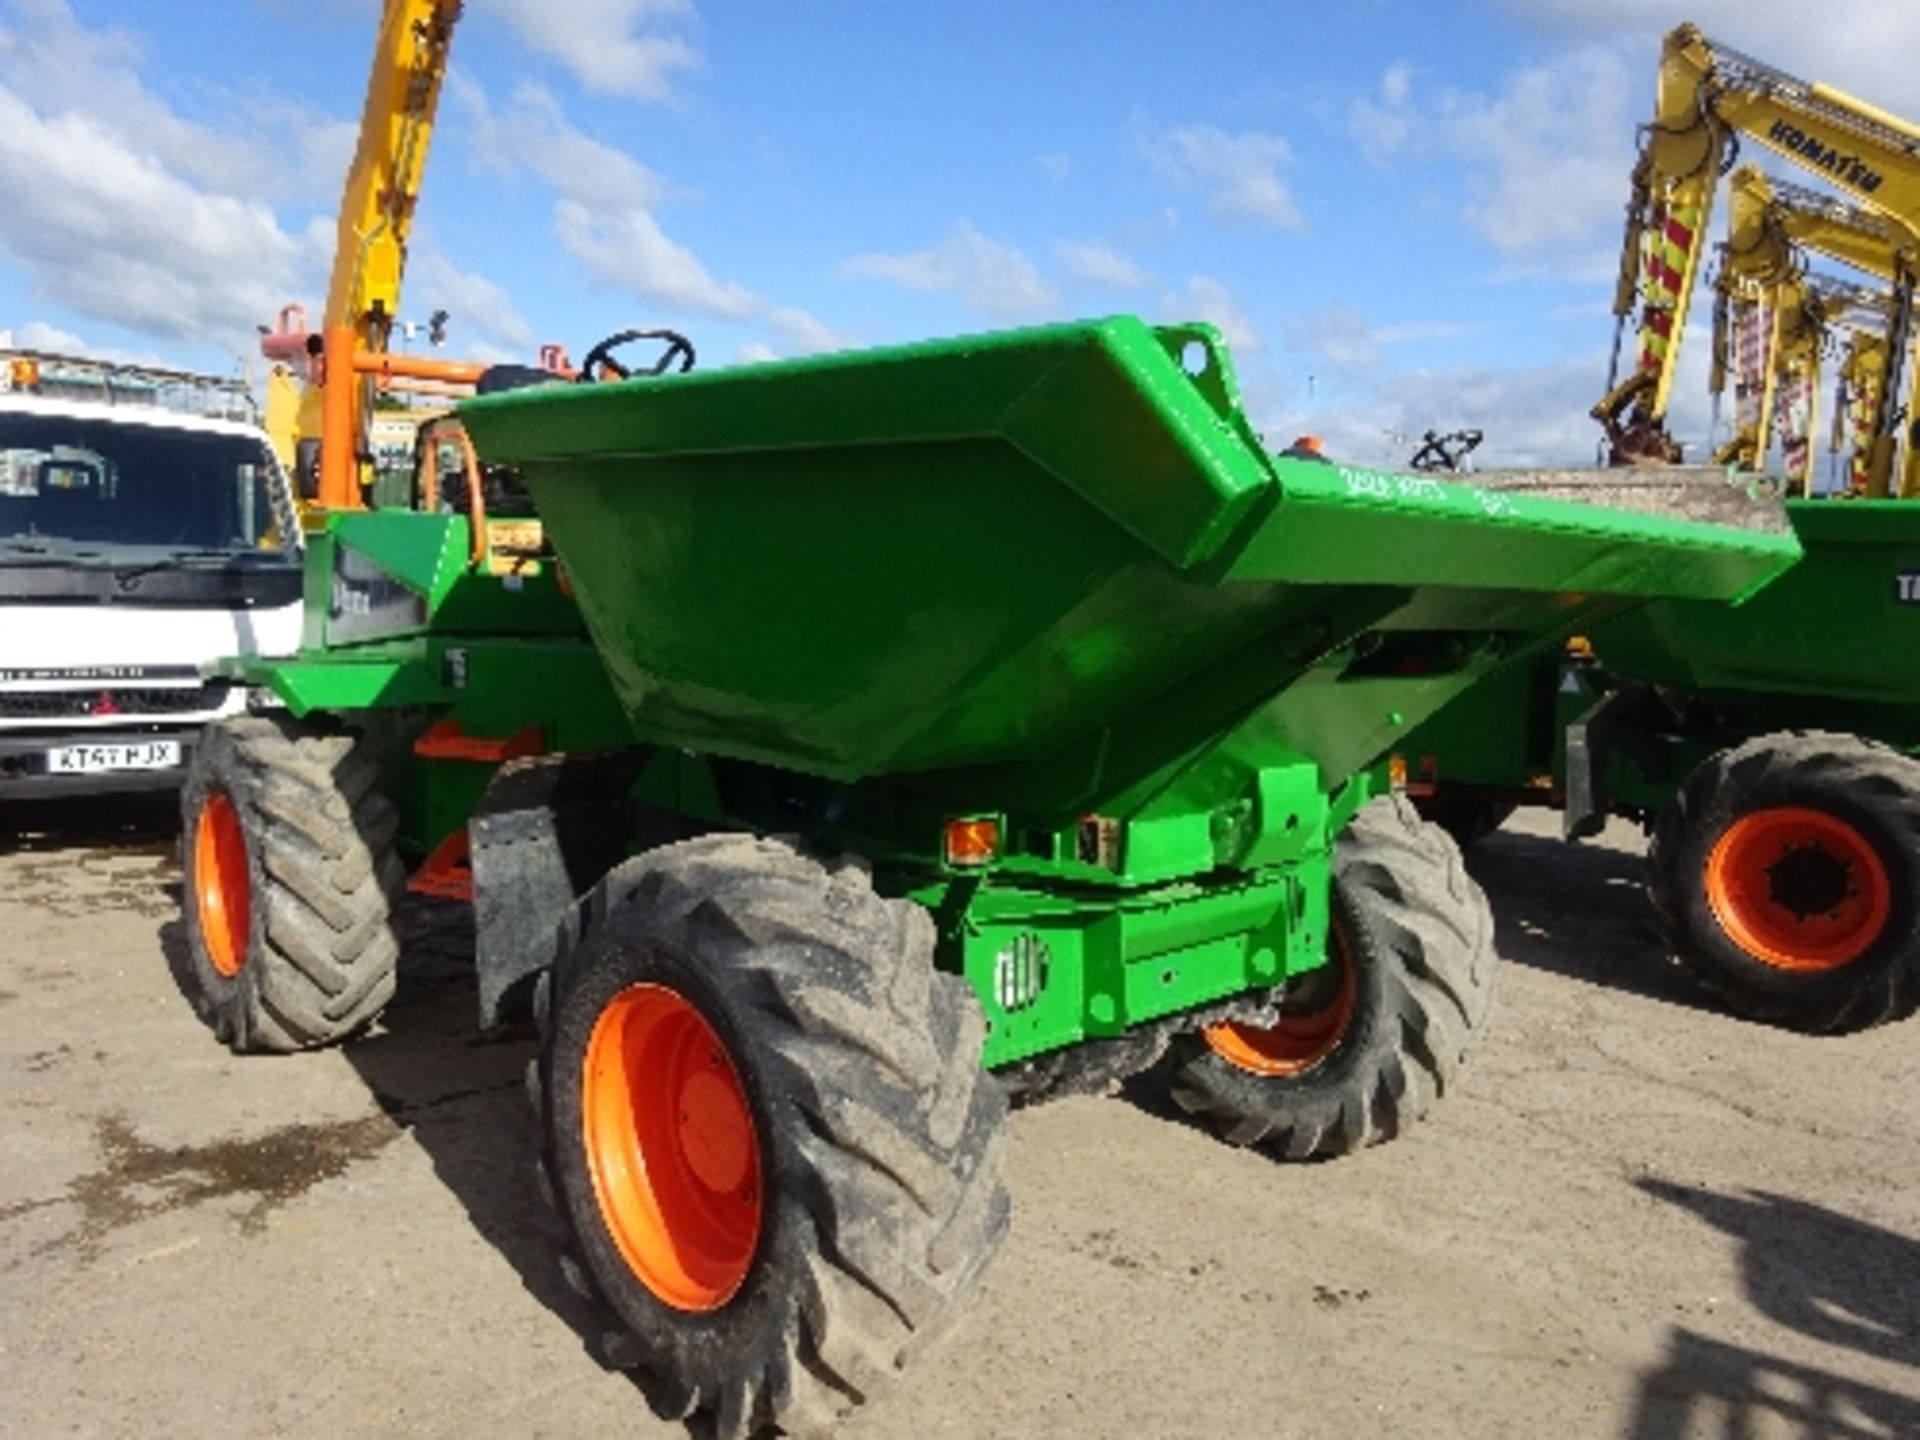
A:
(1445, 452)
(600, 363)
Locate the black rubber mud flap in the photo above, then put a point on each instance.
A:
(547, 829)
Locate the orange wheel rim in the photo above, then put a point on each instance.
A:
(222, 888)
(1295, 1043)
(671, 1146)
(1798, 889)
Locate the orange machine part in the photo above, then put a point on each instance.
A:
(672, 1148)
(1295, 1043)
(1769, 871)
(221, 885)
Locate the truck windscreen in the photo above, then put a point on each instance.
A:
(114, 488)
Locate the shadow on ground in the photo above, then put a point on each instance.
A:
(461, 1094)
(1579, 911)
(142, 820)
(1831, 1278)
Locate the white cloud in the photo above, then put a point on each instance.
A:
(803, 334)
(532, 133)
(38, 335)
(120, 209)
(1056, 165)
(1337, 334)
(1383, 122)
(626, 248)
(603, 213)
(1547, 158)
(605, 216)
(1341, 336)
(1534, 418)
(1098, 264)
(1204, 298)
(985, 275)
(1530, 418)
(109, 232)
(1239, 173)
(1411, 334)
(476, 307)
(631, 48)
(1866, 47)
(276, 149)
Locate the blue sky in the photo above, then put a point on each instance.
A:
(1403, 215)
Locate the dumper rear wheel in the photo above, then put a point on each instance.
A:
(764, 1124)
(1787, 871)
(1363, 1047)
(287, 849)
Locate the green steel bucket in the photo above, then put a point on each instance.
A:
(1843, 625)
(1060, 557)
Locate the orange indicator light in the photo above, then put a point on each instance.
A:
(972, 842)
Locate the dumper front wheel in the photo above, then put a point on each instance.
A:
(287, 851)
(1364, 1046)
(1787, 871)
(765, 1126)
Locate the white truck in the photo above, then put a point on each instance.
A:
(145, 528)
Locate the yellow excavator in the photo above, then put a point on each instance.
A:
(1768, 222)
(1861, 391)
(1866, 314)
(1772, 333)
(1769, 333)
(1707, 96)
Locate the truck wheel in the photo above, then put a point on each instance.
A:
(763, 1121)
(291, 875)
(1787, 872)
(1365, 1044)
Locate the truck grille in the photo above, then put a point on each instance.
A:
(154, 700)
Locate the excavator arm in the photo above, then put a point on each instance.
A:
(1766, 211)
(1674, 180)
(1856, 147)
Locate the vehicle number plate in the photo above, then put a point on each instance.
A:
(92, 759)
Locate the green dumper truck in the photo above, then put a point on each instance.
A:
(1768, 747)
(854, 745)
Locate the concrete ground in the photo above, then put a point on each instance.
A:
(1639, 1217)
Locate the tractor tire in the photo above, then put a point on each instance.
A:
(1787, 874)
(764, 1125)
(1366, 1044)
(291, 876)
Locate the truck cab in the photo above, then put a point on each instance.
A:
(145, 528)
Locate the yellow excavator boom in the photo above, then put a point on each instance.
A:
(339, 361)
